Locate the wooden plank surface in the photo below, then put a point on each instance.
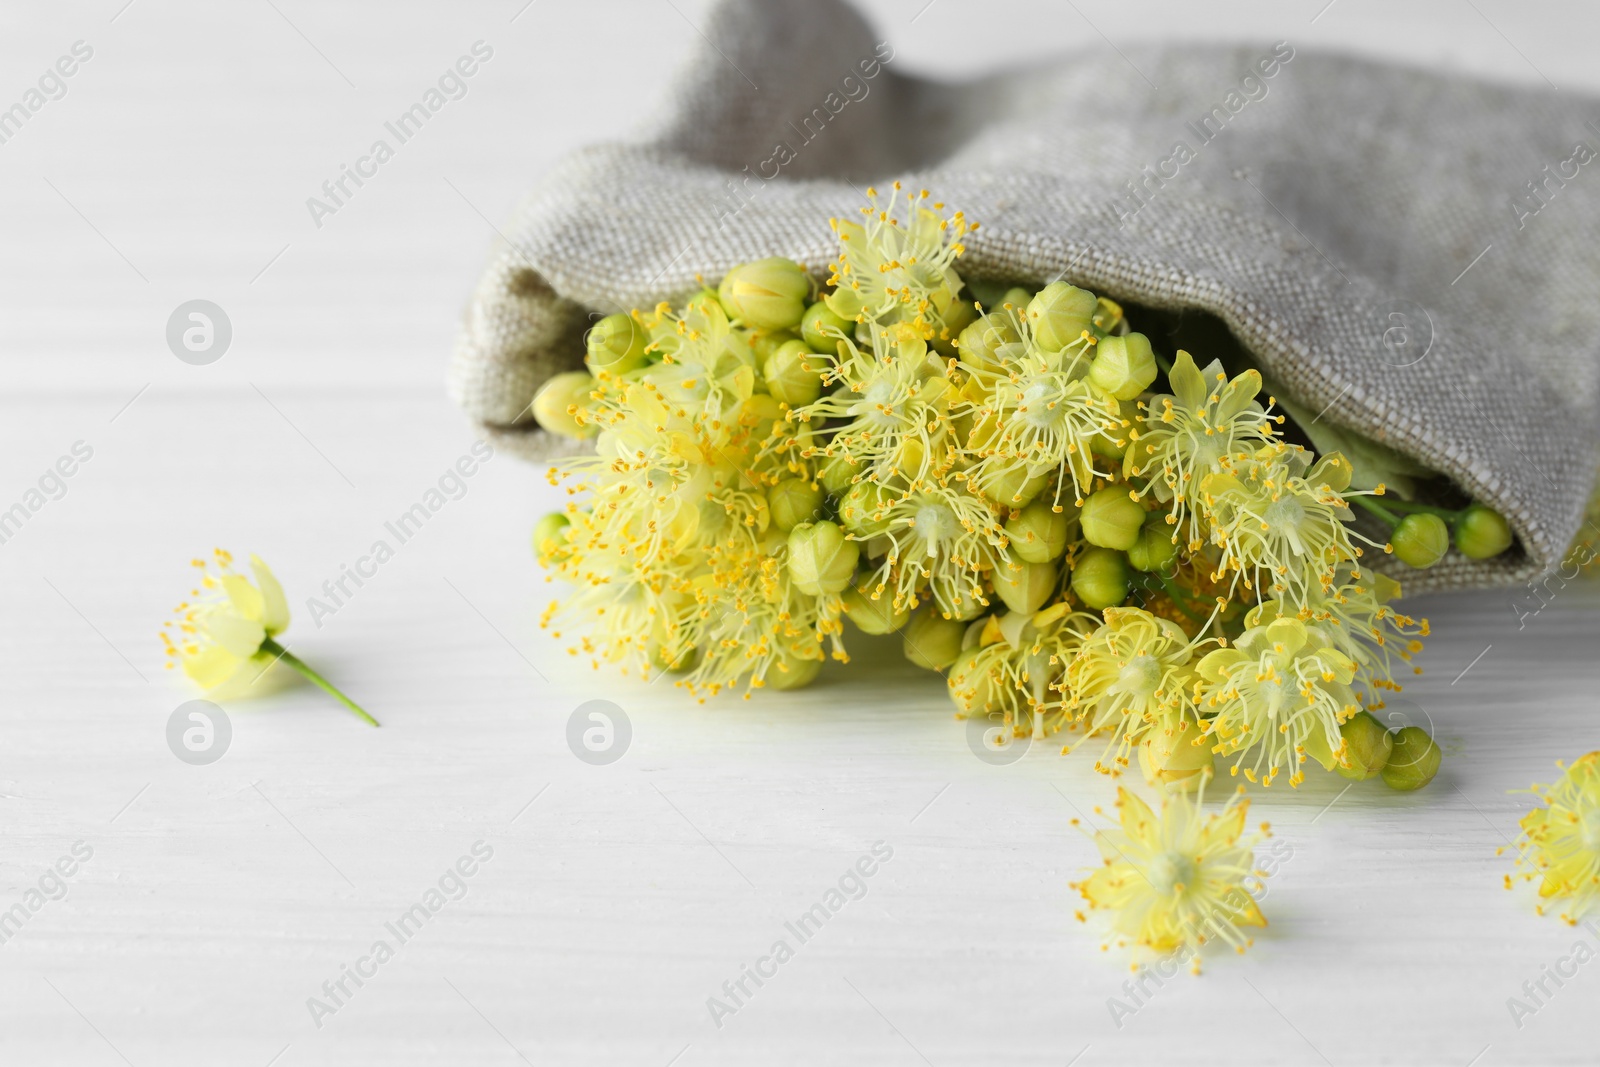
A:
(217, 900)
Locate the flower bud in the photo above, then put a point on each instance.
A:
(1017, 297)
(615, 345)
(975, 689)
(837, 472)
(821, 559)
(769, 294)
(1025, 587)
(871, 616)
(953, 593)
(1482, 533)
(553, 405)
(1111, 518)
(820, 327)
(1154, 550)
(932, 641)
(863, 508)
(793, 374)
(1123, 366)
(1100, 578)
(1420, 540)
(1060, 314)
(793, 672)
(1172, 758)
(793, 501)
(1367, 746)
(1039, 533)
(1014, 487)
(1413, 762)
(765, 342)
(551, 528)
(983, 343)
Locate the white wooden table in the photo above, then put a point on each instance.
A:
(217, 899)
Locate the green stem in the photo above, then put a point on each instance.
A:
(1406, 505)
(269, 645)
(1376, 508)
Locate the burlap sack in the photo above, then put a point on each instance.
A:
(1409, 255)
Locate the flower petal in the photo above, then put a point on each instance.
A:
(274, 605)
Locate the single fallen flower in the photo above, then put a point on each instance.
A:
(232, 624)
(1178, 880)
(1560, 842)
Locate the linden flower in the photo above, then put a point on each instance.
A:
(938, 541)
(757, 625)
(1130, 676)
(1283, 691)
(1179, 880)
(705, 361)
(1282, 529)
(638, 614)
(1188, 432)
(231, 626)
(888, 272)
(1354, 614)
(1034, 414)
(1560, 843)
(1008, 672)
(894, 410)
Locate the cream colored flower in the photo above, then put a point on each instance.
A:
(224, 626)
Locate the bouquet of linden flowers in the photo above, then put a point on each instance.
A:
(1086, 535)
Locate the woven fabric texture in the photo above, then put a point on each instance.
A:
(1411, 255)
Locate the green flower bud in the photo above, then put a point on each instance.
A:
(1367, 746)
(982, 344)
(1123, 366)
(1017, 297)
(1171, 758)
(615, 345)
(765, 342)
(794, 374)
(1060, 314)
(932, 641)
(821, 559)
(769, 294)
(871, 616)
(1100, 578)
(1154, 551)
(551, 528)
(837, 472)
(975, 690)
(1420, 540)
(1413, 762)
(792, 672)
(955, 595)
(1025, 587)
(1482, 533)
(793, 501)
(1111, 518)
(1014, 487)
(861, 508)
(1039, 533)
(554, 404)
(818, 324)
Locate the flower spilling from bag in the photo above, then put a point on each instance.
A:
(1085, 535)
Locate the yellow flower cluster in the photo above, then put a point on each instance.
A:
(1085, 535)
